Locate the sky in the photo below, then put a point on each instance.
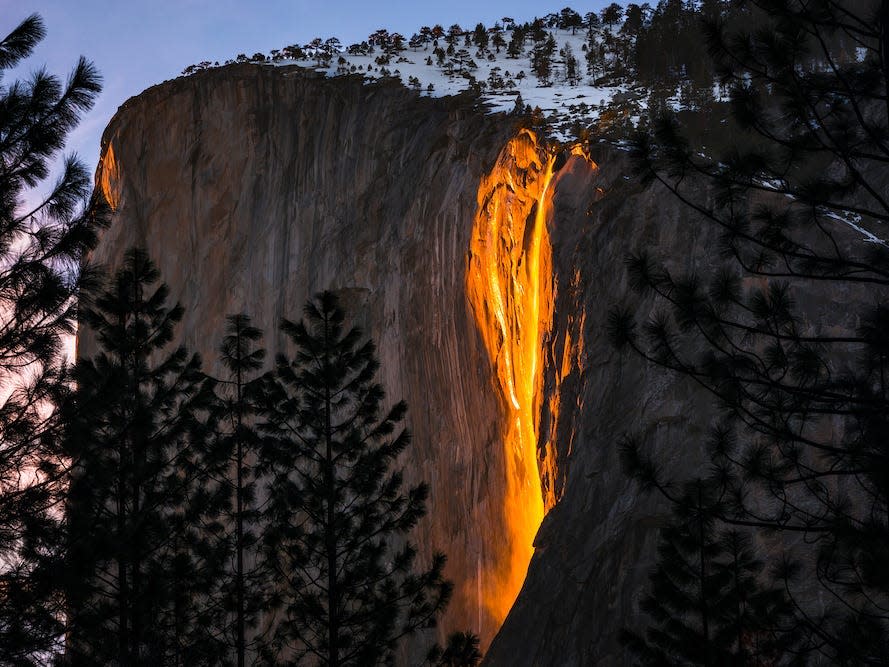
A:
(136, 44)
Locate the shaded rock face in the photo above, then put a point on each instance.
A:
(254, 187)
(595, 549)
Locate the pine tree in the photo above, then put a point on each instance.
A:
(43, 237)
(239, 396)
(635, 18)
(570, 20)
(537, 31)
(571, 74)
(461, 650)
(612, 14)
(519, 107)
(708, 603)
(480, 36)
(799, 447)
(592, 23)
(542, 60)
(142, 511)
(594, 56)
(339, 516)
(516, 44)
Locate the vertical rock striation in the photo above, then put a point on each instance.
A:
(254, 187)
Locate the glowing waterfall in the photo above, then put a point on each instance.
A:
(509, 284)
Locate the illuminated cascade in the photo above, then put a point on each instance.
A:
(109, 177)
(509, 284)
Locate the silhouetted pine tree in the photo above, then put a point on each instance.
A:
(461, 650)
(239, 396)
(43, 237)
(570, 20)
(338, 514)
(800, 447)
(611, 15)
(708, 603)
(143, 513)
(542, 60)
(516, 43)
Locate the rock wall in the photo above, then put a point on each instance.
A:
(596, 547)
(254, 187)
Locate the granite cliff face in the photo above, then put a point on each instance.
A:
(481, 263)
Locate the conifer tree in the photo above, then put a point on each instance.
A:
(542, 60)
(594, 55)
(461, 650)
(516, 43)
(708, 602)
(519, 107)
(142, 511)
(799, 447)
(239, 396)
(480, 36)
(570, 20)
(612, 14)
(339, 516)
(43, 236)
(635, 18)
(571, 74)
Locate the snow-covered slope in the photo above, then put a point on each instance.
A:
(562, 103)
(569, 105)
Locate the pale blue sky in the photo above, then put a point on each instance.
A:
(138, 44)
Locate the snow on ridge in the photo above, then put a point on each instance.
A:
(567, 110)
(559, 102)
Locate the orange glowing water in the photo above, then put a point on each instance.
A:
(109, 177)
(509, 285)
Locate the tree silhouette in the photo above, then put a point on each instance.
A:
(43, 237)
(480, 36)
(542, 60)
(611, 15)
(708, 603)
(239, 397)
(570, 20)
(339, 516)
(142, 511)
(799, 447)
(461, 650)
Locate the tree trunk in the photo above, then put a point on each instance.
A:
(705, 613)
(239, 520)
(332, 593)
(123, 592)
(124, 456)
